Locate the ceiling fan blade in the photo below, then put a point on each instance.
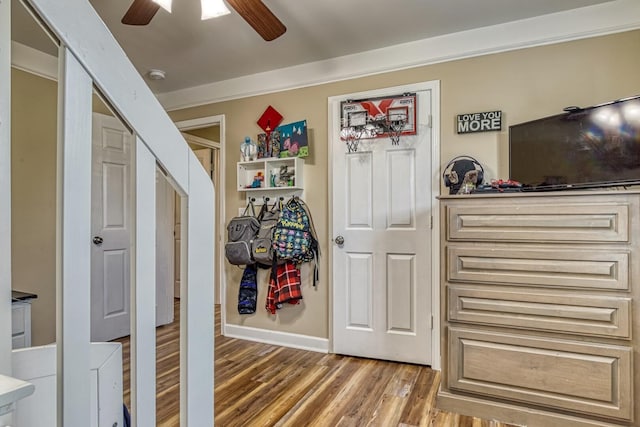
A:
(258, 15)
(140, 12)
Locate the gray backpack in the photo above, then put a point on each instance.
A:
(262, 247)
(241, 232)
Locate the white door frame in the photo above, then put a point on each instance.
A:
(202, 142)
(199, 123)
(334, 126)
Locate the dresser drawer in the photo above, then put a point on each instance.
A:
(18, 316)
(576, 376)
(548, 267)
(21, 324)
(18, 341)
(539, 222)
(548, 311)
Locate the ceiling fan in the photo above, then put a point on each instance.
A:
(255, 12)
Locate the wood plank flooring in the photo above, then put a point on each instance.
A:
(266, 385)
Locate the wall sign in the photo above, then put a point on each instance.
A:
(487, 121)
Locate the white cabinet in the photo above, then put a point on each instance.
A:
(21, 324)
(271, 177)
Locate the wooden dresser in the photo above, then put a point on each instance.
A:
(540, 307)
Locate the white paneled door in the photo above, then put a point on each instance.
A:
(111, 229)
(382, 271)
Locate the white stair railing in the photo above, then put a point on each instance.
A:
(89, 55)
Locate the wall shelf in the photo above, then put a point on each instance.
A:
(272, 184)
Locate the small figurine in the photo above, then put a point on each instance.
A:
(285, 176)
(248, 150)
(469, 182)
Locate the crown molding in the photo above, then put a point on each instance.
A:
(33, 61)
(602, 19)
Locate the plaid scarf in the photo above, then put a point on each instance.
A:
(284, 287)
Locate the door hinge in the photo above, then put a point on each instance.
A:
(432, 321)
(429, 124)
(431, 222)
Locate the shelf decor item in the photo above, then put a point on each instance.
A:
(262, 146)
(274, 143)
(294, 141)
(248, 150)
(268, 122)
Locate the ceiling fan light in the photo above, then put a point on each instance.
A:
(165, 4)
(213, 9)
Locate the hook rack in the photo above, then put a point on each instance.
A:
(262, 200)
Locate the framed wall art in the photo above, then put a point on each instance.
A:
(294, 141)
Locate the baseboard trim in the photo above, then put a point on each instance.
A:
(285, 339)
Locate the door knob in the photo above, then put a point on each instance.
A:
(97, 240)
(339, 240)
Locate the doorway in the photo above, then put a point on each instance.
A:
(384, 258)
(194, 138)
(111, 227)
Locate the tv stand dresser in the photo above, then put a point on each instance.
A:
(540, 307)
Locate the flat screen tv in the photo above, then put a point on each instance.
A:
(585, 147)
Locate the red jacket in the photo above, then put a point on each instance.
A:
(285, 288)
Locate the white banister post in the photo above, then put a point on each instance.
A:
(73, 238)
(197, 301)
(143, 291)
(5, 188)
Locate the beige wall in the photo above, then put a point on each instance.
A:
(33, 197)
(524, 84)
(211, 133)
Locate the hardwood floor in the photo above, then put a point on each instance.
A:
(266, 385)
